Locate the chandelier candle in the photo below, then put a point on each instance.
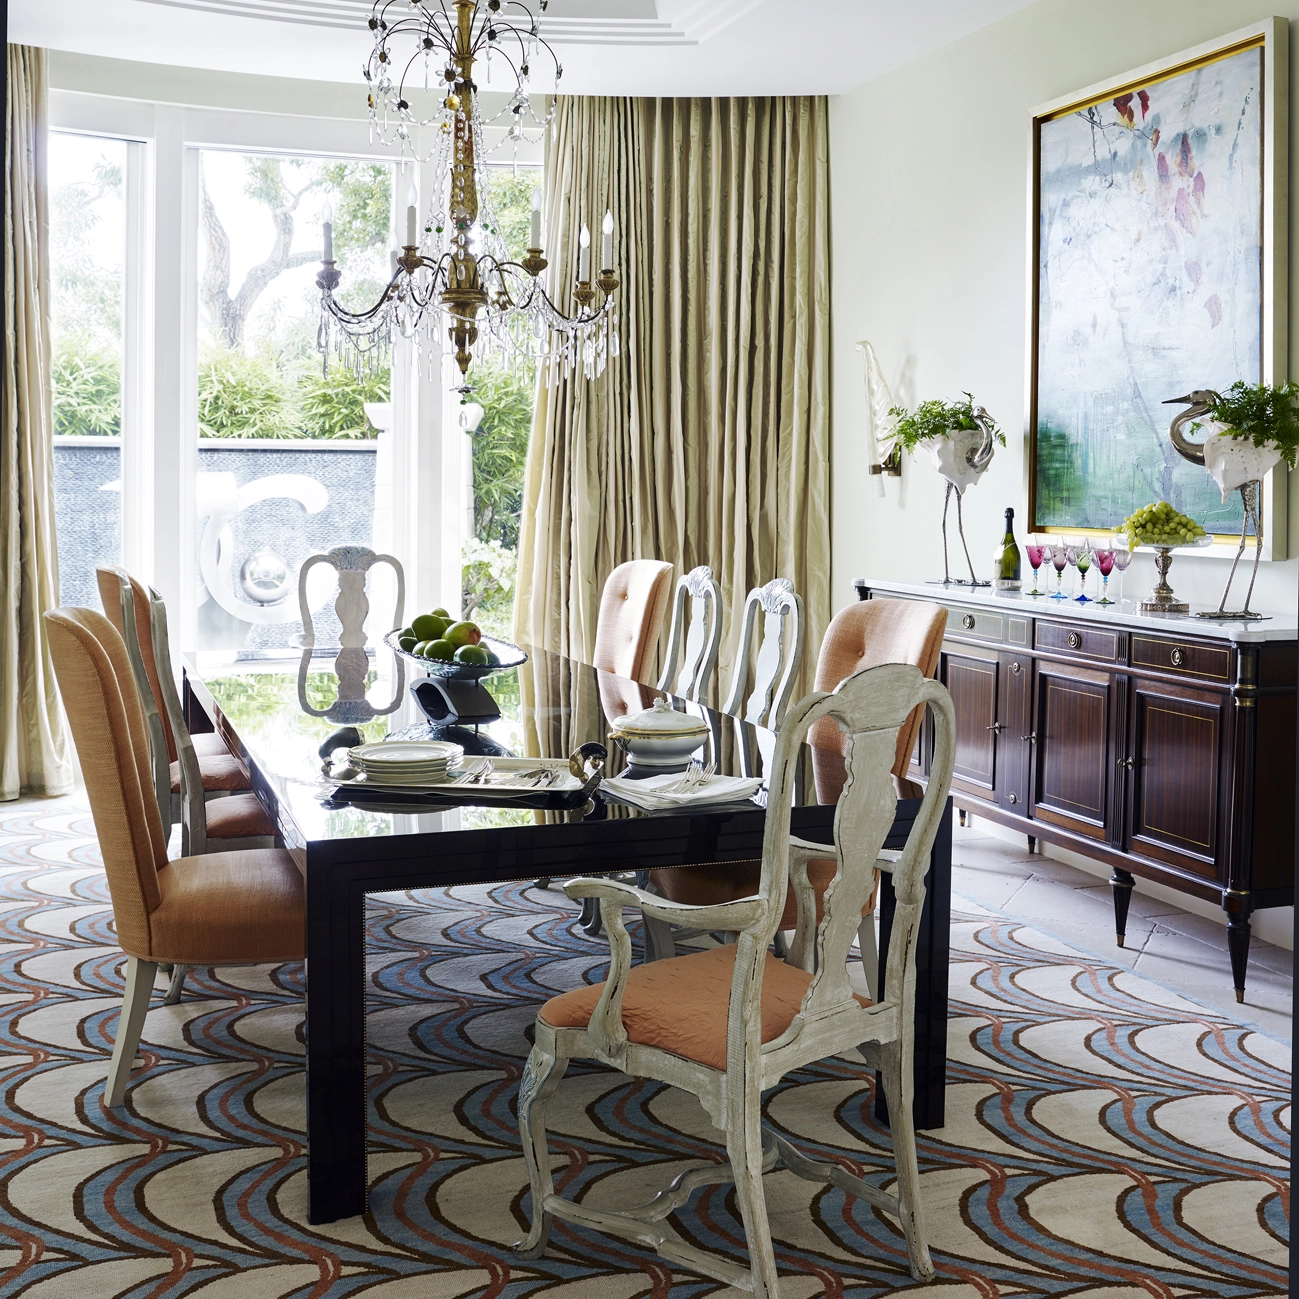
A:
(327, 231)
(454, 271)
(606, 247)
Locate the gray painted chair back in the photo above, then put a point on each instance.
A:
(692, 647)
(352, 606)
(779, 657)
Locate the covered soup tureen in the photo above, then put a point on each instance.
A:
(659, 737)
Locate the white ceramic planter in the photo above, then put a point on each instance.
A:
(1233, 462)
(950, 456)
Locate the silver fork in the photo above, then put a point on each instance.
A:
(481, 775)
(469, 776)
(692, 779)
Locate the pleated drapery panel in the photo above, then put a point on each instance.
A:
(34, 757)
(707, 441)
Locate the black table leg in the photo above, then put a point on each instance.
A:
(933, 943)
(336, 1114)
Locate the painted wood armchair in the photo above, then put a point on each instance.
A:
(730, 1022)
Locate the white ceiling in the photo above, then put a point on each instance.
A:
(636, 47)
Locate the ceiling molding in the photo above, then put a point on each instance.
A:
(351, 15)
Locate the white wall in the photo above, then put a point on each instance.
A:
(929, 186)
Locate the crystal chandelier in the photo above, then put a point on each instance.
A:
(454, 272)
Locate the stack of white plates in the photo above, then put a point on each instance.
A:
(406, 762)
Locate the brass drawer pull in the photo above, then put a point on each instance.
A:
(1014, 798)
(1016, 669)
(1178, 657)
(968, 622)
(1075, 640)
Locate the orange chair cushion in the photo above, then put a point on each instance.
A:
(228, 908)
(219, 771)
(241, 816)
(209, 744)
(682, 1004)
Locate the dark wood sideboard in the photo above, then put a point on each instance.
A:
(1162, 747)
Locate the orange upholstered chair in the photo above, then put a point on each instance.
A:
(126, 603)
(632, 606)
(234, 908)
(864, 635)
(727, 1024)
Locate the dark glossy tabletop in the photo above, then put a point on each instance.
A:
(281, 713)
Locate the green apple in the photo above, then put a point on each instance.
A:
(407, 641)
(471, 654)
(442, 650)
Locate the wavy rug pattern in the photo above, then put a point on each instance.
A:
(1104, 1136)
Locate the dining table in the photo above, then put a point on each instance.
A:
(288, 718)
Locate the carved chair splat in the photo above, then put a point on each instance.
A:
(692, 648)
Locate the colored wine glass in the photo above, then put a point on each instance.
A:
(1105, 565)
(1082, 561)
(1122, 558)
(1037, 552)
(1059, 556)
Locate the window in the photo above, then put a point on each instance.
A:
(500, 443)
(87, 260)
(292, 460)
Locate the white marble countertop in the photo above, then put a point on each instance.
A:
(1278, 626)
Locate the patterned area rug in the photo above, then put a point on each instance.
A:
(1105, 1137)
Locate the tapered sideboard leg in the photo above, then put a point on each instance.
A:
(1238, 947)
(1122, 883)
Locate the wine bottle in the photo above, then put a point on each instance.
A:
(1006, 561)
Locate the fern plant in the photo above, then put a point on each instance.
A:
(1261, 414)
(87, 384)
(937, 419)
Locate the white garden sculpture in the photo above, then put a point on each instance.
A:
(961, 457)
(1235, 464)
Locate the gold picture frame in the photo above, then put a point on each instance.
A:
(1122, 100)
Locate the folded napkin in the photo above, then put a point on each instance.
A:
(649, 793)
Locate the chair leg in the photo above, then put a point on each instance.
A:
(541, 1076)
(745, 1152)
(130, 1024)
(659, 943)
(177, 985)
(897, 1092)
(870, 956)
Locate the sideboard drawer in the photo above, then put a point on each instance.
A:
(1182, 658)
(1084, 642)
(974, 623)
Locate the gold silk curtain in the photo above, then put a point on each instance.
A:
(707, 441)
(34, 752)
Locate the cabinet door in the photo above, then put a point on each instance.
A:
(1177, 752)
(1073, 762)
(972, 679)
(1014, 749)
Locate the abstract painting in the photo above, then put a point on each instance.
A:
(1149, 283)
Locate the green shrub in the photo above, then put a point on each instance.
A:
(488, 576)
(241, 396)
(333, 405)
(500, 450)
(87, 384)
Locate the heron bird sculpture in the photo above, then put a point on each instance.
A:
(1198, 403)
(961, 461)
